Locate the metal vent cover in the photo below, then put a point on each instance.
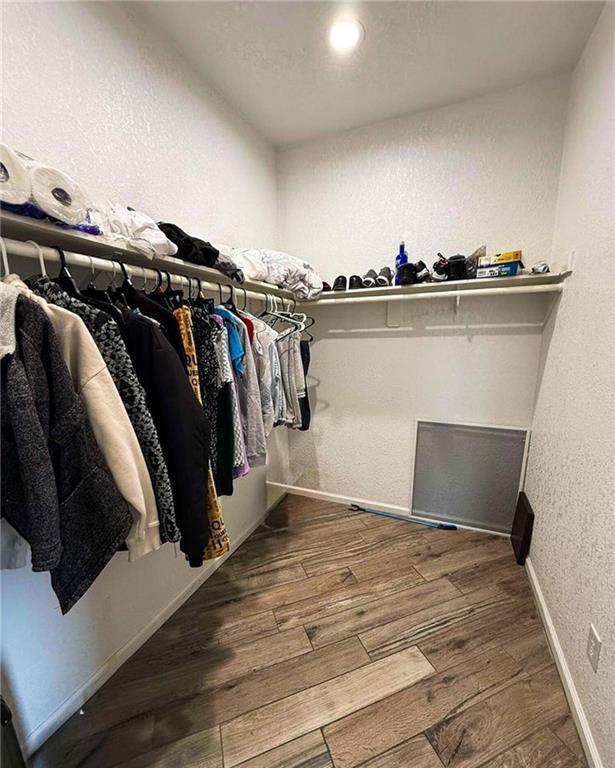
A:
(468, 474)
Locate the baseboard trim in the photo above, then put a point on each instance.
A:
(578, 713)
(73, 704)
(391, 509)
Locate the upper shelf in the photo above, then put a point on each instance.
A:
(545, 283)
(45, 233)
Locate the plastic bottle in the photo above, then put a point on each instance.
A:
(401, 258)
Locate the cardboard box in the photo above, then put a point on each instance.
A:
(501, 258)
(499, 270)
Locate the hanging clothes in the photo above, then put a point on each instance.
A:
(249, 395)
(152, 309)
(288, 351)
(106, 334)
(114, 433)
(261, 341)
(57, 491)
(221, 344)
(208, 376)
(181, 425)
(304, 402)
(219, 542)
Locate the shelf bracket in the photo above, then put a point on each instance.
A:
(394, 311)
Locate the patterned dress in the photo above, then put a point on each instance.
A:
(219, 541)
(208, 375)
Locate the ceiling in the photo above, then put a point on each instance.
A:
(272, 61)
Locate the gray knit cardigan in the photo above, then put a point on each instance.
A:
(56, 491)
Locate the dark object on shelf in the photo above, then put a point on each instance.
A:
(385, 276)
(457, 267)
(471, 266)
(356, 281)
(189, 248)
(440, 269)
(326, 287)
(11, 753)
(339, 284)
(422, 273)
(407, 273)
(523, 525)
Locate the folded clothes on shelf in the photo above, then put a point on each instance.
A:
(277, 268)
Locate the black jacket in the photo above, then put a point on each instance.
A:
(57, 491)
(182, 428)
(157, 312)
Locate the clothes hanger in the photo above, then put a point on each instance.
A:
(230, 302)
(5, 257)
(100, 299)
(296, 323)
(65, 279)
(41, 260)
(121, 292)
(173, 297)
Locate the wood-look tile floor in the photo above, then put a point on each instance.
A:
(334, 639)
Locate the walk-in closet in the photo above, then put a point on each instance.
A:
(307, 407)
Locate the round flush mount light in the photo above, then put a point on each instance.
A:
(345, 35)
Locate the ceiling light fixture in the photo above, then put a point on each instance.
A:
(345, 35)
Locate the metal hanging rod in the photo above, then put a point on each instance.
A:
(19, 249)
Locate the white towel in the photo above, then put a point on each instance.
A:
(15, 185)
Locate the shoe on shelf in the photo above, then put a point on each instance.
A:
(385, 276)
(369, 278)
(325, 287)
(355, 282)
(440, 269)
(340, 283)
(457, 267)
(407, 273)
(422, 273)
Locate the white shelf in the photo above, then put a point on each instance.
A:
(78, 245)
(454, 289)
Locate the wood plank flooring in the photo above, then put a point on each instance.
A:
(335, 639)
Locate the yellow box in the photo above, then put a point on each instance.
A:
(500, 258)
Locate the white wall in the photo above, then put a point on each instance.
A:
(484, 170)
(570, 479)
(95, 90)
(91, 88)
(450, 179)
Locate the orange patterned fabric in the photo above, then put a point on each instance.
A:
(219, 541)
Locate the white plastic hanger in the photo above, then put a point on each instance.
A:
(41, 260)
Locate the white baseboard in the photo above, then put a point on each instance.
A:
(578, 713)
(391, 509)
(73, 704)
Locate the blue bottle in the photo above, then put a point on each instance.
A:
(401, 258)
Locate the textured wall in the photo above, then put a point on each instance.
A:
(92, 89)
(370, 384)
(481, 171)
(570, 479)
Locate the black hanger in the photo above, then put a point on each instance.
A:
(230, 302)
(245, 298)
(65, 279)
(201, 300)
